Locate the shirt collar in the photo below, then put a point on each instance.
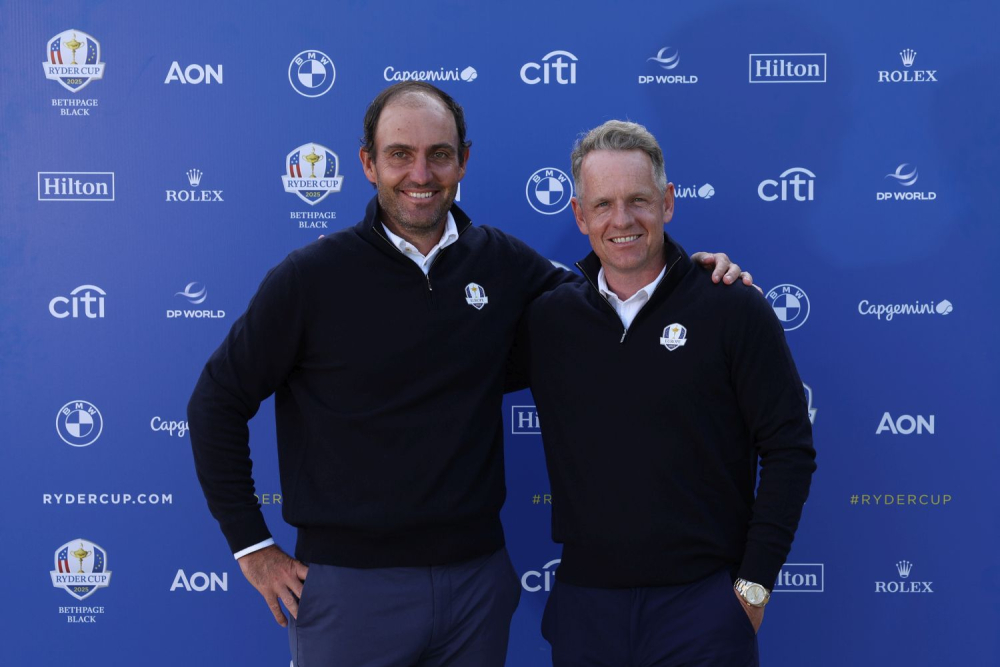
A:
(449, 236)
(645, 292)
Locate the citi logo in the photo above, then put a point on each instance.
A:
(534, 580)
(199, 582)
(706, 191)
(905, 425)
(907, 75)
(194, 74)
(800, 578)
(787, 68)
(76, 186)
(904, 568)
(524, 420)
(85, 301)
(796, 182)
(556, 67)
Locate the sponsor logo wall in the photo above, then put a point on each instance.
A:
(142, 207)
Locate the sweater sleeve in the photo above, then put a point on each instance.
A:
(253, 361)
(773, 404)
(537, 276)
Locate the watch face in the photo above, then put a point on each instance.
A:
(755, 594)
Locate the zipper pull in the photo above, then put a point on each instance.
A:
(624, 333)
(429, 288)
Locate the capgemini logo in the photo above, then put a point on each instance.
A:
(904, 567)
(908, 56)
(944, 307)
(665, 61)
(194, 177)
(194, 295)
(906, 179)
(469, 74)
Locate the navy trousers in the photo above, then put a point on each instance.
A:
(693, 625)
(442, 616)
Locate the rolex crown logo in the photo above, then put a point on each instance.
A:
(904, 567)
(908, 56)
(194, 177)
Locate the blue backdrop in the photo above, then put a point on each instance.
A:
(845, 153)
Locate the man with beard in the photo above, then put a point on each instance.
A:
(385, 345)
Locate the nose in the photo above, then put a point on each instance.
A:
(620, 216)
(420, 172)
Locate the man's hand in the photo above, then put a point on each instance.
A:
(276, 575)
(725, 270)
(756, 614)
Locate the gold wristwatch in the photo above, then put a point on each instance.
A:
(754, 594)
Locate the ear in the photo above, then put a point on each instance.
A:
(465, 163)
(581, 223)
(368, 164)
(668, 203)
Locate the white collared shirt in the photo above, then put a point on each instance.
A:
(630, 307)
(449, 236)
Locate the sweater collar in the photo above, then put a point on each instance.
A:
(678, 264)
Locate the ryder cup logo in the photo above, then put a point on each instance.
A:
(79, 423)
(674, 336)
(311, 73)
(790, 304)
(303, 181)
(81, 568)
(475, 296)
(73, 71)
(549, 191)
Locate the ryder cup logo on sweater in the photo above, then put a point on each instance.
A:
(79, 423)
(311, 73)
(790, 304)
(549, 190)
(81, 567)
(71, 69)
(475, 296)
(302, 180)
(674, 336)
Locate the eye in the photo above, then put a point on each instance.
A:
(398, 155)
(441, 155)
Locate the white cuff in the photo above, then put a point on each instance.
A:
(255, 547)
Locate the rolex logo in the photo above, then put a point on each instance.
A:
(194, 177)
(908, 56)
(904, 567)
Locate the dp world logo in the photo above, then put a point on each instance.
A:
(549, 191)
(790, 304)
(81, 567)
(301, 179)
(79, 423)
(312, 73)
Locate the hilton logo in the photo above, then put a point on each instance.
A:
(904, 568)
(800, 578)
(787, 68)
(76, 186)
(524, 420)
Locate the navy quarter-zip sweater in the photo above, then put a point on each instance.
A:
(388, 388)
(653, 453)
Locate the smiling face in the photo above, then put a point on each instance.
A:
(623, 212)
(416, 165)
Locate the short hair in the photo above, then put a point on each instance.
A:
(619, 135)
(377, 105)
